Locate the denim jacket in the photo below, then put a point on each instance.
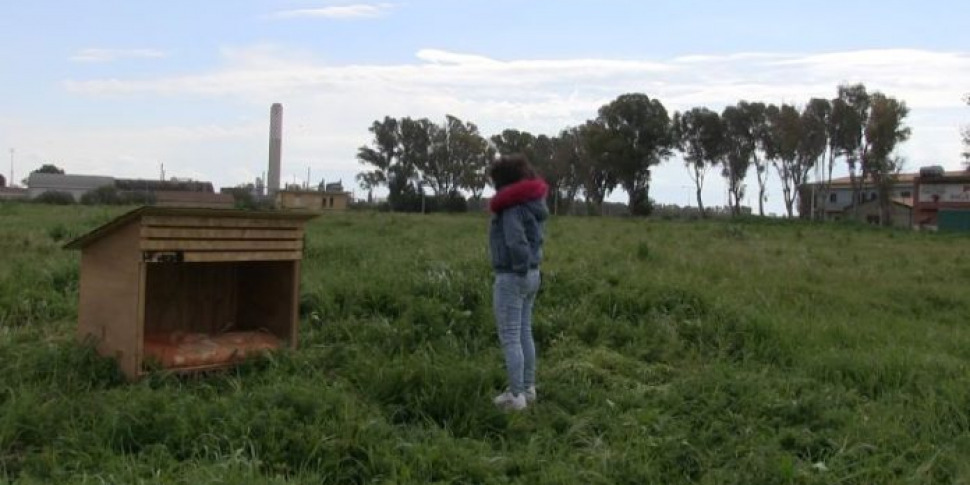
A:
(515, 237)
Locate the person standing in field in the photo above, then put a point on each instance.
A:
(515, 242)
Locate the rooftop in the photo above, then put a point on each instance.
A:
(903, 178)
(128, 217)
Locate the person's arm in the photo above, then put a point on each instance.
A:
(516, 240)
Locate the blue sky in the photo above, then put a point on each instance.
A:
(118, 87)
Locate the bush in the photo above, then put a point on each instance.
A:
(453, 202)
(244, 199)
(107, 195)
(55, 198)
(110, 195)
(137, 198)
(410, 200)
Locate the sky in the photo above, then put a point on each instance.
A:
(119, 87)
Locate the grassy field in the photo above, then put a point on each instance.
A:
(712, 352)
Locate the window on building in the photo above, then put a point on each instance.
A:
(905, 193)
(833, 198)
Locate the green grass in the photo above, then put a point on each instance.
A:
(710, 352)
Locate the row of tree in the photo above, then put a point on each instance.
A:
(634, 133)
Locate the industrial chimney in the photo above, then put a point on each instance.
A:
(275, 147)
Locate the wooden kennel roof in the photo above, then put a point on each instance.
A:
(193, 217)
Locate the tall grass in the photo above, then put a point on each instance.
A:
(703, 352)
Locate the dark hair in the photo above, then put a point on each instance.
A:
(509, 169)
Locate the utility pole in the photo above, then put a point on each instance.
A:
(12, 183)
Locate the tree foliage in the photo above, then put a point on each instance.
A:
(633, 134)
(786, 132)
(814, 141)
(884, 130)
(700, 137)
(638, 136)
(740, 147)
(597, 180)
(49, 168)
(407, 155)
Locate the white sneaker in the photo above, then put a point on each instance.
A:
(530, 394)
(512, 402)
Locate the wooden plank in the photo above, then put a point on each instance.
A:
(220, 233)
(294, 317)
(224, 245)
(190, 298)
(108, 310)
(231, 256)
(140, 323)
(268, 298)
(236, 222)
(186, 369)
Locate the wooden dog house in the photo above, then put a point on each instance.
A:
(190, 289)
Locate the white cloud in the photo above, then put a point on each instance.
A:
(329, 107)
(110, 55)
(360, 10)
(922, 78)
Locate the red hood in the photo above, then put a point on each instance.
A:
(518, 193)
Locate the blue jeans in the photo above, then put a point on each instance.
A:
(512, 300)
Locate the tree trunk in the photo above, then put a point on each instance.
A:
(856, 190)
(862, 192)
(788, 181)
(761, 174)
(885, 203)
(736, 202)
(761, 197)
(828, 186)
(571, 200)
(700, 202)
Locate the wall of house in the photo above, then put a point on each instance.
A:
(299, 200)
(315, 201)
(336, 202)
(839, 198)
(938, 194)
(870, 212)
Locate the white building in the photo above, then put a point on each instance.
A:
(76, 185)
(814, 198)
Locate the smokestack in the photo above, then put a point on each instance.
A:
(275, 147)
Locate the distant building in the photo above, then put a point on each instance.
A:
(76, 185)
(171, 185)
(833, 205)
(312, 200)
(942, 200)
(12, 193)
(194, 199)
(900, 215)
